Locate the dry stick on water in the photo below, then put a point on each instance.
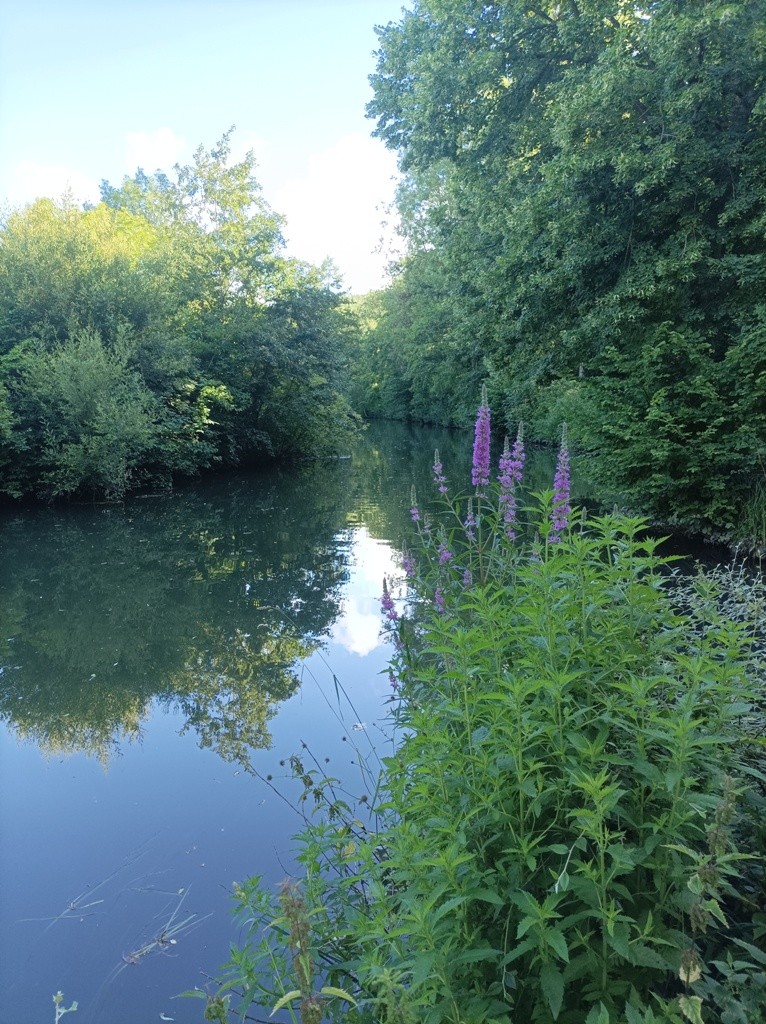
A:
(167, 934)
(74, 909)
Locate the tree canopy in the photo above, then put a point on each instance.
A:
(160, 332)
(585, 204)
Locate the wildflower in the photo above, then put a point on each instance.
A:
(414, 511)
(562, 509)
(387, 603)
(470, 522)
(511, 471)
(480, 468)
(467, 578)
(393, 681)
(439, 478)
(445, 554)
(439, 601)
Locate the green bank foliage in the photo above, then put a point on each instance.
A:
(571, 828)
(161, 332)
(584, 203)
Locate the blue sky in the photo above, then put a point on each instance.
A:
(92, 89)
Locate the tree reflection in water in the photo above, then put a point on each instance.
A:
(205, 600)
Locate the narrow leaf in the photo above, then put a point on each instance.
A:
(288, 997)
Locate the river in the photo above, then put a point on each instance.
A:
(154, 655)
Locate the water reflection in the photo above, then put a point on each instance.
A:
(205, 600)
(175, 639)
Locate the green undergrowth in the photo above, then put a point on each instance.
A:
(572, 827)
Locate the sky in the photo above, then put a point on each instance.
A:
(93, 89)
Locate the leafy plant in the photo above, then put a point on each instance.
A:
(569, 828)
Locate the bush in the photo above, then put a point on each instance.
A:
(569, 828)
(86, 417)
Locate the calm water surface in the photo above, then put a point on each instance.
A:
(158, 661)
(152, 656)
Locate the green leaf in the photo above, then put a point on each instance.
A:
(714, 907)
(519, 950)
(632, 1016)
(288, 997)
(562, 882)
(598, 1015)
(695, 884)
(487, 896)
(691, 1008)
(618, 939)
(337, 993)
(552, 984)
(557, 942)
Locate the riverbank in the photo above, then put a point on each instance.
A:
(571, 826)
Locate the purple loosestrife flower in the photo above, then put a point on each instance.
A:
(414, 510)
(408, 563)
(511, 471)
(439, 601)
(445, 554)
(480, 468)
(470, 522)
(467, 578)
(387, 603)
(562, 509)
(439, 478)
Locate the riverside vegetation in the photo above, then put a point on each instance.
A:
(583, 202)
(573, 823)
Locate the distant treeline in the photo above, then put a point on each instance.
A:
(584, 203)
(161, 332)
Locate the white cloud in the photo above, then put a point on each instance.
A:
(29, 180)
(156, 150)
(335, 208)
(359, 625)
(356, 630)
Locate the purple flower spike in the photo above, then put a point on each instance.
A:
(444, 553)
(562, 509)
(511, 471)
(467, 579)
(480, 469)
(439, 601)
(439, 478)
(387, 603)
(414, 511)
(470, 522)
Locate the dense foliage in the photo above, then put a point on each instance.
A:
(585, 204)
(161, 332)
(570, 828)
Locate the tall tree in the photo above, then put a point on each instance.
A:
(605, 178)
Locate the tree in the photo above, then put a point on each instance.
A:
(199, 340)
(601, 176)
